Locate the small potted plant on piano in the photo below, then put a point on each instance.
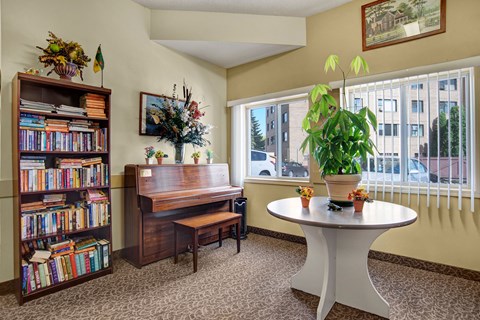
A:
(209, 153)
(196, 156)
(359, 197)
(160, 155)
(149, 153)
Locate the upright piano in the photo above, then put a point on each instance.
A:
(156, 195)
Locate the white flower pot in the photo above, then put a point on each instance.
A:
(340, 185)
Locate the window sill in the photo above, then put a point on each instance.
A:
(277, 181)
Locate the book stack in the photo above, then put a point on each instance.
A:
(82, 126)
(32, 206)
(57, 125)
(94, 195)
(32, 162)
(68, 163)
(94, 104)
(27, 105)
(69, 110)
(56, 266)
(31, 121)
(91, 161)
(54, 200)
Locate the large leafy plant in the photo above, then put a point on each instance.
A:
(336, 137)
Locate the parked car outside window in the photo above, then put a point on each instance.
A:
(390, 169)
(294, 169)
(262, 164)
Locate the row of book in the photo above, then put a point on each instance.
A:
(34, 140)
(94, 105)
(56, 266)
(73, 217)
(91, 105)
(55, 179)
(48, 201)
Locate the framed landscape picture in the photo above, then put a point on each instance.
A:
(387, 22)
(150, 116)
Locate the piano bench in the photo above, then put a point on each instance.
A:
(205, 223)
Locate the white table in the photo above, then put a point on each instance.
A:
(337, 250)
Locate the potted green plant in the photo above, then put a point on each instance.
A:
(209, 154)
(159, 155)
(196, 156)
(336, 137)
(67, 58)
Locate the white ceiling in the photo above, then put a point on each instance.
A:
(288, 8)
(231, 54)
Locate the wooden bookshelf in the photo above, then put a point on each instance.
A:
(48, 146)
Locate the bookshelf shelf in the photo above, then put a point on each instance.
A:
(64, 190)
(66, 233)
(66, 284)
(54, 151)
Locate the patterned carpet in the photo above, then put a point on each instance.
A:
(251, 285)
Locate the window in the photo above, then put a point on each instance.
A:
(416, 86)
(270, 146)
(416, 130)
(445, 106)
(443, 85)
(386, 129)
(428, 142)
(387, 105)
(417, 106)
(358, 104)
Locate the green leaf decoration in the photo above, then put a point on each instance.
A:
(331, 62)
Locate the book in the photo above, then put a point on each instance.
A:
(31, 275)
(37, 275)
(40, 256)
(68, 264)
(47, 274)
(64, 268)
(41, 272)
(86, 257)
(58, 264)
(25, 277)
(73, 265)
(105, 252)
(77, 265)
(91, 256)
(53, 266)
(82, 263)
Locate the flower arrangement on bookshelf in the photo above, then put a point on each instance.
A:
(67, 58)
(306, 193)
(179, 122)
(359, 197)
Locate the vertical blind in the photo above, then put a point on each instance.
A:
(425, 137)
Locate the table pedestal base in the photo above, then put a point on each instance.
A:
(340, 255)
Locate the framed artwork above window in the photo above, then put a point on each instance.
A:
(388, 22)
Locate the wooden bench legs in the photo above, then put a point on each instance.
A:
(198, 225)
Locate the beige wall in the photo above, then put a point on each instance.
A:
(133, 63)
(442, 235)
(339, 31)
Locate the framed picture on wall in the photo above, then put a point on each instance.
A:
(387, 22)
(150, 114)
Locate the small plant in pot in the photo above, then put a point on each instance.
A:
(337, 138)
(196, 156)
(209, 154)
(160, 155)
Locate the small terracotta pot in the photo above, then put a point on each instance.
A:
(358, 205)
(195, 160)
(305, 202)
(160, 160)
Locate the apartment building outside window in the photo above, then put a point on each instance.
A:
(425, 130)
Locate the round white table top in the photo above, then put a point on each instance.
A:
(375, 215)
